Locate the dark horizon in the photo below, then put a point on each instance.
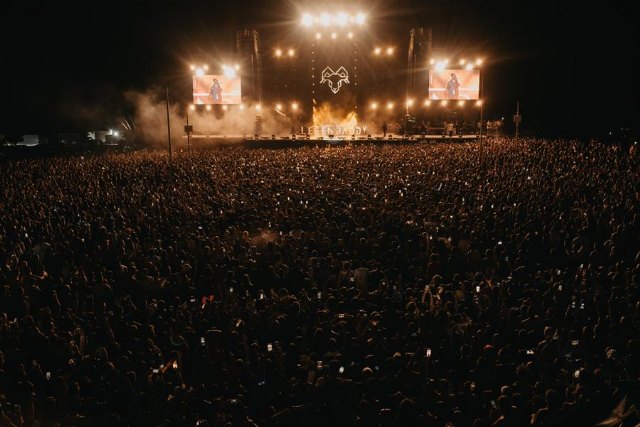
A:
(67, 67)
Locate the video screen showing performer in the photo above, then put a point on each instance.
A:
(454, 84)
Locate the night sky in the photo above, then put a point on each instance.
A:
(64, 66)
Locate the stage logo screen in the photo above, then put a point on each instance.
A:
(334, 70)
(454, 84)
(216, 89)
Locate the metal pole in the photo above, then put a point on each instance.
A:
(481, 107)
(188, 134)
(517, 121)
(481, 104)
(169, 128)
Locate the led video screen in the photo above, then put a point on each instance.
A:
(334, 73)
(216, 89)
(454, 84)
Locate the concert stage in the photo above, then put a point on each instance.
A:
(285, 141)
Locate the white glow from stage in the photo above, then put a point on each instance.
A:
(237, 67)
(409, 103)
(325, 19)
(208, 107)
(307, 20)
(291, 52)
(479, 103)
(469, 66)
(199, 72)
(350, 35)
(389, 105)
(278, 106)
(377, 51)
(461, 103)
(206, 67)
(228, 71)
(444, 103)
(479, 61)
(432, 61)
(318, 36)
(278, 52)
(374, 105)
(334, 35)
(192, 67)
(390, 51)
(462, 61)
(342, 19)
(192, 107)
(241, 107)
(294, 106)
(258, 107)
(224, 108)
(440, 65)
(427, 103)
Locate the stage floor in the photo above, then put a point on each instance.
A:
(334, 139)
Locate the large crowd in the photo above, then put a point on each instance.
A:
(451, 284)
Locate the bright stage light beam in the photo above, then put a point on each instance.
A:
(199, 72)
(291, 52)
(208, 107)
(224, 108)
(409, 102)
(278, 52)
(479, 103)
(206, 67)
(342, 19)
(334, 35)
(444, 103)
(389, 105)
(377, 51)
(360, 18)
(307, 20)
(294, 106)
(325, 19)
(479, 61)
(462, 61)
(258, 107)
(229, 71)
(440, 65)
(241, 107)
(237, 67)
(350, 35)
(469, 66)
(318, 36)
(389, 51)
(192, 107)
(427, 103)
(278, 106)
(461, 103)
(374, 105)
(192, 67)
